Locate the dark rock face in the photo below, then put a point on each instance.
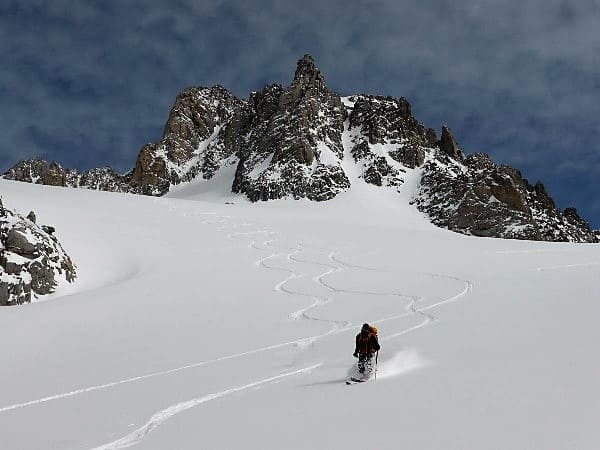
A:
(150, 175)
(411, 157)
(305, 141)
(543, 196)
(32, 261)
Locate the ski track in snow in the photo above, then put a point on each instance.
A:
(412, 308)
(543, 269)
(341, 326)
(538, 250)
(290, 254)
(567, 266)
(281, 286)
(136, 436)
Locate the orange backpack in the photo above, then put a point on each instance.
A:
(364, 342)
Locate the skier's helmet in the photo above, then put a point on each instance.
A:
(366, 327)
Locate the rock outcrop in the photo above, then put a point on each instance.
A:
(193, 142)
(448, 144)
(305, 141)
(32, 261)
(478, 197)
(38, 171)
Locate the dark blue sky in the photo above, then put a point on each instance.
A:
(87, 83)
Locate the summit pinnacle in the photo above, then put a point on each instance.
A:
(308, 74)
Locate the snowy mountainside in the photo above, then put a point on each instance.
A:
(229, 324)
(288, 142)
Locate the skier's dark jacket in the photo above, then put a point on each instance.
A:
(366, 344)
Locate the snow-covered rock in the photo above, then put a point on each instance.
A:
(38, 171)
(384, 139)
(192, 144)
(478, 197)
(32, 261)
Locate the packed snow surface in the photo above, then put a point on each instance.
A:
(200, 320)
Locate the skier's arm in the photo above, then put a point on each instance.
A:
(356, 347)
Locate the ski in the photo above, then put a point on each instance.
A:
(353, 380)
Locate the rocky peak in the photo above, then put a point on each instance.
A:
(386, 139)
(573, 216)
(384, 119)
(308, 74)
(196, 117)
(543, 196)
(37, 171)
(308, 89)
(448, 144)
(296, 131)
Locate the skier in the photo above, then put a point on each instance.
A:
(367, 345)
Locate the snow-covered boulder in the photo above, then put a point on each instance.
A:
(32, 261)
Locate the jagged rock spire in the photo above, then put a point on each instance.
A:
(308, 74)
(543, 196)
(448, 144)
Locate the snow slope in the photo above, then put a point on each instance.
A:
(197, 323)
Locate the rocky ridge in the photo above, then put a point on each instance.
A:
(475, 196)
(294, 141)
(38, 171)
(32, 261)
